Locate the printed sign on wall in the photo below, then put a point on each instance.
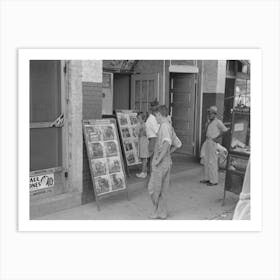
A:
(39, 182)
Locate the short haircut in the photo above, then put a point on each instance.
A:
(162, 109)
(142, 115)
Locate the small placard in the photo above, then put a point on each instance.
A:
(39, 182)
(239, 127)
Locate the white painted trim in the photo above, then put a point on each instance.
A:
(183, 69)
(201, 103)
(158, 87)
(64, 111)
(163, 83)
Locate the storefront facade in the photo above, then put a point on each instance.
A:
(63, 93)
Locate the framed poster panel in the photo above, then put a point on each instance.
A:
(127, 121)
(105, 158)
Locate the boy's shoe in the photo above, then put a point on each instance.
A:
(141, 175)
(204, 181)
(212, 184)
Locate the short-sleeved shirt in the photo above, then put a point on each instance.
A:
(152, 126)
(164, 134)
(214, 128)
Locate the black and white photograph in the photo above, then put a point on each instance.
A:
(201, 109)
(99, 167)
(102, 184)
(133, 119)
(117, 181)
(123, 119)
(96, 150)
(188, 171)
(114, 164)
(94, 133)
(125, 132)
(128, 145)
(111, 148)
(108, 133)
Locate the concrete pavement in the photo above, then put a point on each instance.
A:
(187, 200)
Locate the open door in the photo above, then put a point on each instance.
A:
(182, 99)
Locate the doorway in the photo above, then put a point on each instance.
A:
(182, 109)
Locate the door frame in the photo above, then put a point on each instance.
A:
(196, 111)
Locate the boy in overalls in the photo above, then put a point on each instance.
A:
(161, 165)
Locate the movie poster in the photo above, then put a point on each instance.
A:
(127, 121)
(104, 155)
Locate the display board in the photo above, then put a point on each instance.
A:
(239, 151)
(105, 158)
(127, 121)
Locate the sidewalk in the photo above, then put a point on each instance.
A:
(188, 200)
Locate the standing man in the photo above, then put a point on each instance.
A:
(161, 165)
(151, 131)
(214, 131)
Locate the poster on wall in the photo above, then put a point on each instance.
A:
(41, 183)
(107, 93)
(104, 155)
(127, 121)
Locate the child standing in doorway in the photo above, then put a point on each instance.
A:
(143, 151)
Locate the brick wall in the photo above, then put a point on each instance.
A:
(214, 77)
(91, 109)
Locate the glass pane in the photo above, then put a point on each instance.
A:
(45, 101)
(137, 91)
(45, 148)
(137, 106)
(240, 86)
(144, 91)
(241, 132)
(151, 90)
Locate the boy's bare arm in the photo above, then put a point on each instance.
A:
(172, 149)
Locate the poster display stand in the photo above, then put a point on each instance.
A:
(127, 121)
(105, 158)
(238, 151)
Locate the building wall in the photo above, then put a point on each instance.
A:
(91, 109)
(214, 77)
(75, 126)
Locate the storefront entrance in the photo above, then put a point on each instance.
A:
(182, 109)
(46, 136)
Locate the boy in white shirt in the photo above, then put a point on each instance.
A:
(161, 165)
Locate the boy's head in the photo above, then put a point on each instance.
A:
(154, 106)
(140, 116)
(161, 113)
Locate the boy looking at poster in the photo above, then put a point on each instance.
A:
(161, 165)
